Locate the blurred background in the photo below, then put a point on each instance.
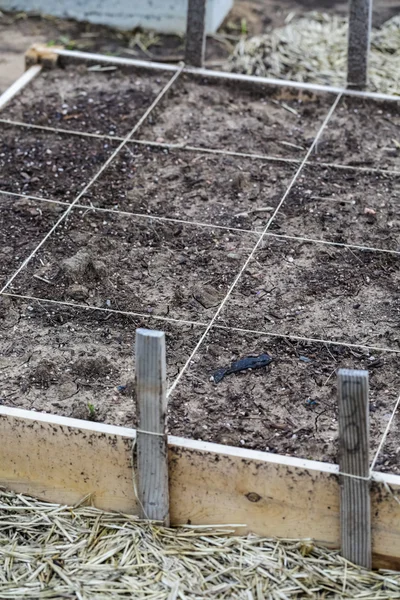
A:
(292, 39)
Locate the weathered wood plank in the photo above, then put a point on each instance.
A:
(152, 444)
(355, 504)
(359, 42)
(196, 33)
(62, 460)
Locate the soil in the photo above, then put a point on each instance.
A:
(106, 102)
(289, 407)
(265, 120)
(363, 133)
(22, 226)
(58, 358)
(48, 165)
(343, 206)
(222, 190)
(319, 291)
(77, 363)
(168, 269)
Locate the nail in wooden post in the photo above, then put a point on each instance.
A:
(355, 506)
(359, 43)
(152, 445)
(196, 33)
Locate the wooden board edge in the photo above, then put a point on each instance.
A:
(19, 85)
(62, 460)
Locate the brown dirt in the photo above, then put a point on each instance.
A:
(343, 206)
(61, 360)
(22, 226)
(289, 407)
(137, 265)
(183, 271)
(363, 133)
(221, 190)
(48, 165)
(106, 102)
(265, 120)
(318, 291)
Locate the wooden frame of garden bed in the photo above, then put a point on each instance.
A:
(65, 460)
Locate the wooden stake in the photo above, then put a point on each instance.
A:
(359, 42)
(355, 507)
(152, 446)
(196, 33)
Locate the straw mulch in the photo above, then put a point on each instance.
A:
(53, 551)
(313, 49)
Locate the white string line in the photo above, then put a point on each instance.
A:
(125, 313)
(306, 339)
(105, 165)
(128, 313)
(329, 243)
(254, 250)
(204, 150)
(153, 217)
(166, 145)
(36, 198)
(77, 306)
(50, 129)
(385, 434)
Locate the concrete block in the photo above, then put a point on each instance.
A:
(165, 16)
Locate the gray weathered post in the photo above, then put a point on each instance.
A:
(355, 504)
(152, 444)
(360, 15)
(196, 33)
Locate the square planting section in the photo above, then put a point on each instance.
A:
(78, 363)
(288, 407)
(105, 102)
(222, 190)
(48, 165)
(343, 206)
(319, 291)
(139, 265)
(233, 116)
(23, 225)
(363, 132)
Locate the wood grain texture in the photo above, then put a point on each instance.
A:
(196, 33)
(360, 16)
(152, 450)
(62, 460)
(355, 503)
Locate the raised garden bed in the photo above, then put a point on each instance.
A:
(231, 255)
(112, 260)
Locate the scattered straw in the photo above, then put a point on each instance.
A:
(313, 49)
(50, 551)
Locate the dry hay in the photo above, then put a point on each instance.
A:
(52, 551)
(313, 49)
